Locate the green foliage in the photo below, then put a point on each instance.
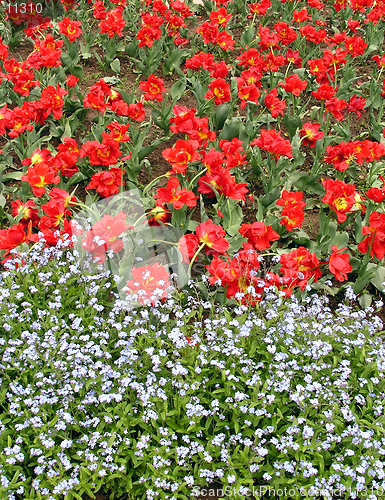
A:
(95, 397)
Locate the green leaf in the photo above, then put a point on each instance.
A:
(86, 55)
(204, 216)
(76, 495)
(221, 114)
(76, 178)
(99, 59)
(332, 227)
(86, 489)
(232, 128)
(365, 300)
(192, 225)
(132, 49)
(78, 71)
(271, 197)
(115, 65)
(340, 240)
(146, 150)
(203, 289)
(67, 131)
(358, 227)
(298, 178)
(178, 218)
(232, 213)
(312, 186)
(12, 176)
(126, 98)
(233, 230)
(174, 60)
(177, 90)
(66, 59)
(247, 36)
(360, 284)
(379, 278)
(355, 263)
(236, 243)
(301, 238)
(292, 124)
(199, 92)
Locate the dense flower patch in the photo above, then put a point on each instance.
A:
(167, 401)
(284, 125)
(243, 141)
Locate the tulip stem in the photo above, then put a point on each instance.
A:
(152, 183)
(195, 256)
(196, 177)
(164, 241)
(140, 218)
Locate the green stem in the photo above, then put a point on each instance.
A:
(322, 111)
(368, 255)
(260, 114)
(167, 242)
(322, 235)
(195, 256)
(152, 183)
(335, 75)
(379, 75)
(287, 69)
(140, 218)
(220, 201)
(196, 177)
(22, 145)
(100, 118)
(229, 209)
(327, 123)
(32, 247)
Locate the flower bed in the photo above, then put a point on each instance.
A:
(167, 401)
(240, 144)
(272, 114)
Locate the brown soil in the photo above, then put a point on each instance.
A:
(311, 223)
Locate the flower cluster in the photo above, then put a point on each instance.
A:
(278, 147)
(100, 392)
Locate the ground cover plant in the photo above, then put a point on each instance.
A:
(162, 402)
(248, 139)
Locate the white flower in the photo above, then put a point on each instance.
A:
(308, 432)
